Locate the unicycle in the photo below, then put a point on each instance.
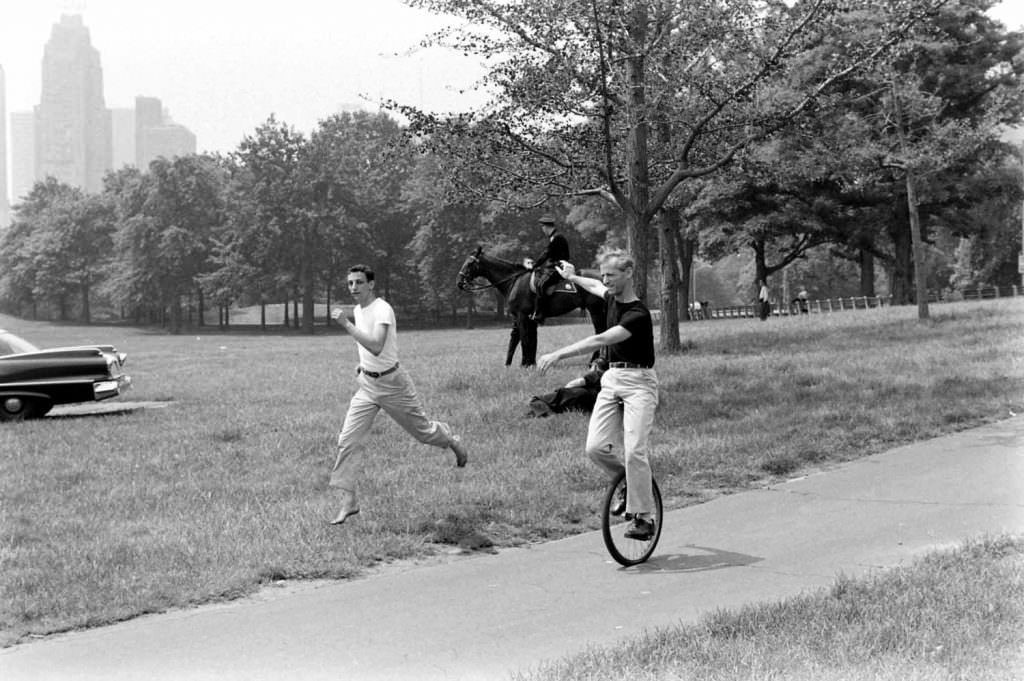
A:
(613, 528)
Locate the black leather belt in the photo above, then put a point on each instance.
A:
(627, 365)
(376, 374)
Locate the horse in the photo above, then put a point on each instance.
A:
(512, 281)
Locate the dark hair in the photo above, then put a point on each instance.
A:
(365, 269)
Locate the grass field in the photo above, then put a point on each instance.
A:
(954, 614)
(225, 489)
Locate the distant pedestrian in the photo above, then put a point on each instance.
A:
(801, 299)
(381, 384)
(623, 414)
(764, 307)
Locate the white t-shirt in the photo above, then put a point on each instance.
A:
(366, 319)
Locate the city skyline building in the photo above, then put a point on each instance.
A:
(23, 154)
(72, 122)
(157, 135)
(5, 204)
(71, 134)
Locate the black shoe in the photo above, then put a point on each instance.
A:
(640, 529)
(618, 506)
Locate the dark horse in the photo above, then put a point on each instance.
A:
(513, 282)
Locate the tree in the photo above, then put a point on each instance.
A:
(279, 234)
(166, 220)
(362, 170)
(579, 84)
(58, 248)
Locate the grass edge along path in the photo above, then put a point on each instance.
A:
(951, 614)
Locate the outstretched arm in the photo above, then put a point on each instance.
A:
(568, 272)
(616, 334)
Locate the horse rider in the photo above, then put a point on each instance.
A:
(556, 251)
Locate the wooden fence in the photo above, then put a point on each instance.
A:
(852, 303)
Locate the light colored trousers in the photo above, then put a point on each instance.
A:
(396, 395)
(623, 418)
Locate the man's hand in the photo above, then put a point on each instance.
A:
(338, 315)
(565, 268)
(545, 362)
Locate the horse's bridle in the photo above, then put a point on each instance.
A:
(464, 282)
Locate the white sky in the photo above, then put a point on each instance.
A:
(221, 67)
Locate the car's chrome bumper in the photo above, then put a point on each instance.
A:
(112, 387)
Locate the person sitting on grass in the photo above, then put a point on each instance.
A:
(579, 394)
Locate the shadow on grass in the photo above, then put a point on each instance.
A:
(77, 411)
(707, 559)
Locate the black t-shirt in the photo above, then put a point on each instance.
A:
(635, 318)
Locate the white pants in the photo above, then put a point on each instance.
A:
(623, 417)
(396, 395)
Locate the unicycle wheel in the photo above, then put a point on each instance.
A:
(624, 550)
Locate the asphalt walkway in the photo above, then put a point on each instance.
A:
(486, 616)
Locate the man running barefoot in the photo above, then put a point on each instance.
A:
(382, 384)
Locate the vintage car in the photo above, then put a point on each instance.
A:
(32, 381)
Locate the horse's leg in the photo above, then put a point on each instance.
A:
(528, 338)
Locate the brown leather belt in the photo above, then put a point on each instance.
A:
(627, 365)
(376, 374)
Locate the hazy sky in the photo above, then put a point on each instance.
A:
(221, 67)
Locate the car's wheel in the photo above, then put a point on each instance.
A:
(22, 408)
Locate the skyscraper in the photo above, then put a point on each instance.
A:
(5, 206)
(157, 135)
(23, 154)
(72, 122)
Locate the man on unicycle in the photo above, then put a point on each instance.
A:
(624, 412)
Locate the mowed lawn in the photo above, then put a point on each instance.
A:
(103, 518)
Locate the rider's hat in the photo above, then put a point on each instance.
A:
(547, 220)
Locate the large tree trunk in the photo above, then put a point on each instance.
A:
(917, 246)
(902, 268)
(637, 216)
(667, 235)
(760, 264)
(686, 250)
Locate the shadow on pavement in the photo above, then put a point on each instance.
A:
(703, 559)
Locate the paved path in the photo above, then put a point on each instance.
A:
(484, 617)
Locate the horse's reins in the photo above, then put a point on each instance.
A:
(484, 287)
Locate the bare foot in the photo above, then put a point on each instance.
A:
(348, 507)
(461, 457)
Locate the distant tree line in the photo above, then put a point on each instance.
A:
(845, 143)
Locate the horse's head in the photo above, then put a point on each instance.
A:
(470, 270)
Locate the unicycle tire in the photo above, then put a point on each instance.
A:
(626, 551)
